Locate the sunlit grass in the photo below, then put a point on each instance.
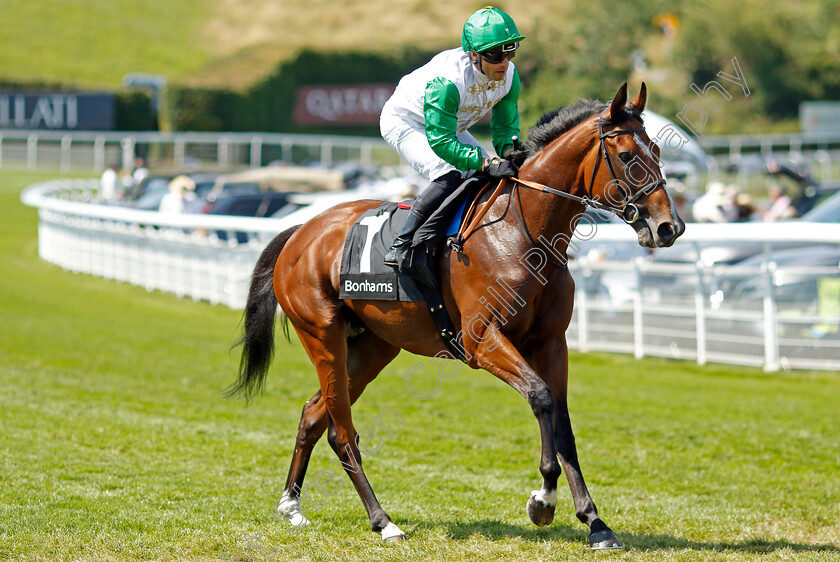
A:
(94, 43)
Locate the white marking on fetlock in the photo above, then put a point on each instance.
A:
(545, 497)
(290, 508)
(390, 531)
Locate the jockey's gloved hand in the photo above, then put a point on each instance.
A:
(498, 168)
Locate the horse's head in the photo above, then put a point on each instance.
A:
(625, 176)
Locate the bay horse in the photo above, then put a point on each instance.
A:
(587, 154)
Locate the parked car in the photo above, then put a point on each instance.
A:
(148, 194)
(248, 204)
(826, 211)
(226, 190)
(150, 190)
(287, 179)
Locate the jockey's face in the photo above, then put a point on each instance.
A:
(492, 71)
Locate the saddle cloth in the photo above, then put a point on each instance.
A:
(363, 274)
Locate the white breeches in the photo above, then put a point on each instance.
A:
(409, 140)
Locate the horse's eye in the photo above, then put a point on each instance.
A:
(624, 156)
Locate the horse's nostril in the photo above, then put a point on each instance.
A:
(665, 231)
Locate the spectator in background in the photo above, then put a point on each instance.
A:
(716, 205)
(108, 183)
(745, 207)
(181, 193)
(126, 182)
(140, 171)
(780, 205)
(679, 193)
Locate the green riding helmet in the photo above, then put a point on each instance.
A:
(487, 28)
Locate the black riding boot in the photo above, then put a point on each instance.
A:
(396, 254)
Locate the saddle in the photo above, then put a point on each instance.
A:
(364, 276)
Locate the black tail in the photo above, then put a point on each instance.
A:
(258, 321)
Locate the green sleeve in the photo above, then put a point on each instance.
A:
(504, 122)
(440, 109)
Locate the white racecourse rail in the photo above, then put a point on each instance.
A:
(725, 314)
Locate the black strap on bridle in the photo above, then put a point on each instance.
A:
(628, 212)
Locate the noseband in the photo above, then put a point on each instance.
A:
(628, 211)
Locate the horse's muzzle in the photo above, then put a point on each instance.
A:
(653, 233)
(668, 232)
(659, 225)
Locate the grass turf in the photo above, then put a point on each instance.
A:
(116, 443)
(94, 43)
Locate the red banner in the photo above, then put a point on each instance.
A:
(341, 105)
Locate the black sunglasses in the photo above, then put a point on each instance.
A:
(498, 54)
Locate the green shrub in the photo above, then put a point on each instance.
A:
(133, 111)
(268, 105)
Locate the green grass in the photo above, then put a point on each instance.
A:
(116, 443)
(94, 43)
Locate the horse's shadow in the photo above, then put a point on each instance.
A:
(494, 529)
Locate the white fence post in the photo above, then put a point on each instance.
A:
(700, 313)
(223, 152)
(256, 152)
(179, 151)
(582, 317)
(824, 158)
(99, 154)
(286, 151)
(638, 312)
(326, 153)
(32, 152)
(366, 153)
(771, 343)
(66, 156)
(127, 145)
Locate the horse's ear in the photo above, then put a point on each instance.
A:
(618, 102)
(640, 101)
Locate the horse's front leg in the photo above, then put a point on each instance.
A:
(505, 361)
(552, 363)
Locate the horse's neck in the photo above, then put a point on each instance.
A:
(560, 166)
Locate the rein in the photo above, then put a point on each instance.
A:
(629, 212)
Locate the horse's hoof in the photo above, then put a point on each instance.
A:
(392, 534)
(289, 508)
(604, 540)
(397, 539)
(540, 511)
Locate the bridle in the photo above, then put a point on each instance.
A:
(628, 211)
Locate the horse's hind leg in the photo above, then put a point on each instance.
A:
(313, 422)
(367, 355)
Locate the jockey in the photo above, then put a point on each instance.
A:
(427, 117)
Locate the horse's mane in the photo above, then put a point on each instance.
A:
(556, 122)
